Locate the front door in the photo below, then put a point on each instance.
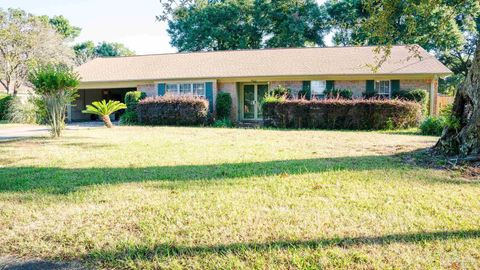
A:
(252, 100)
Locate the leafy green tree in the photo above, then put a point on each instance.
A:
(346, 18)
(244, 24)
(112, 49)
(26, 41)
(62, 26)
(455, 47)
(84, 51)
(217, 26)
(440, 23)
(294, 23)
(87, 50)
(104, 109)
(56, 87)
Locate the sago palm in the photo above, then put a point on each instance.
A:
(104, 109)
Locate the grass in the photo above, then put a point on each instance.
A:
(165, 197)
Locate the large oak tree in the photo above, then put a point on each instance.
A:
(431, 21)
(243, 24)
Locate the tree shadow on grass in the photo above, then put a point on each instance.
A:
(55, 180)
(144, 252)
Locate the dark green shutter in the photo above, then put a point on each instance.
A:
(209, 95)
(330, 85)
(161, 89)
(306, 89)
(395, 84)
(370, 88)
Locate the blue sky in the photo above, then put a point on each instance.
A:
(131, 22)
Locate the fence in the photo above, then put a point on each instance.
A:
(443, 101)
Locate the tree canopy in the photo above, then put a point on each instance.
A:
(442, 24)
(27, 41)
(448, 29)
(87, 50)
(244, 24)
(62, 26)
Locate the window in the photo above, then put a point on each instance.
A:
(196, 89)
(199, 89)
(172, 89)
(318, 88)
(185, 89)
(383, 88)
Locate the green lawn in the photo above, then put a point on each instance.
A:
(149, 198)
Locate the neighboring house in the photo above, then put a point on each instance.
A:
(248, 74)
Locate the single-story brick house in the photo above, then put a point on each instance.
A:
(248, 74)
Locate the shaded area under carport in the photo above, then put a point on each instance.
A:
(87, 96)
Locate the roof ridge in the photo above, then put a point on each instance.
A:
(249, 50)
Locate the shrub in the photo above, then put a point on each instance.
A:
(173, 110)
(280, 91)
(417, 95)
(4, 103)
(224, 105)
(433, 125)
(450, 120)
(131, 100)
(55, 86)
(271, 97)
(342, 114)
(339, 93)
(225, 122)
(129, 118)
(22, 111)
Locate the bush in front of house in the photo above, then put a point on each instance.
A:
(280, 91)
(22, 111)
(173, 110)
(342, 114)
(417, 95)
(339, 93)
(433, 125)
(223, 123)
(130, 116)
(4, 103)
(223, 106)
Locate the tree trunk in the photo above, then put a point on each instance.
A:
(465, 140)
(106, 121)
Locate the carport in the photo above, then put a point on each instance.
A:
(87, 96)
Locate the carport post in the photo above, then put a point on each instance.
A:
(69, 113)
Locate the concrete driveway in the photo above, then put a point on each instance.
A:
(19, 131)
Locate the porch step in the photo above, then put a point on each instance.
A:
(250, 124)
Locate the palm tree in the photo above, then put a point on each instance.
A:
(104, 109)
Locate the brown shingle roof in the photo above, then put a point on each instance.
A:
(258, 63)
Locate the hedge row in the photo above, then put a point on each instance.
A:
(342, 114)
(172, 110)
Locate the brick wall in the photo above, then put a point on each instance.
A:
(358, 87)
(231, 88)
(415, 84)
(149, 89)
